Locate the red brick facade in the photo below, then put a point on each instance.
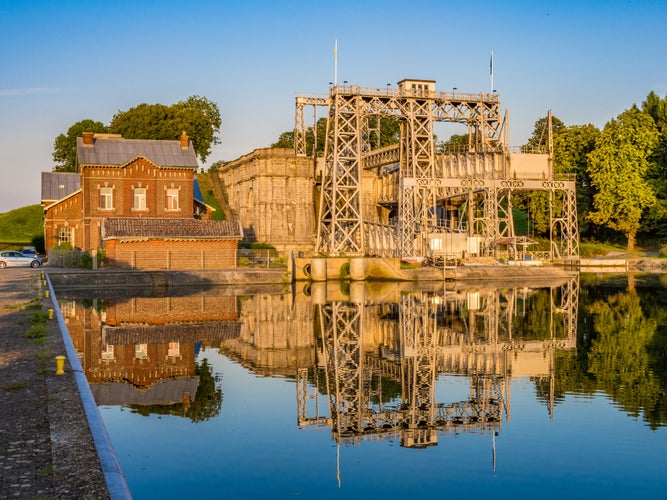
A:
(148, 180)
(169, 254)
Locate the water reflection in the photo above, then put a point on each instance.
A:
(381, 355)
(375, 351)
(566, 379)
(141, 352)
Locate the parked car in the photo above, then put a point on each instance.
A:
(30, 252)
(11, 258)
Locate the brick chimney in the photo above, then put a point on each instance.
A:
(88, 138)
(184, 140)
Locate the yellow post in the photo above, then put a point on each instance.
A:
(46, 294)
(50, 313)
(60, 365)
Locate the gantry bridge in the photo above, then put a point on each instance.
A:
(392, 201)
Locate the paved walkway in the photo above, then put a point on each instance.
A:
(46, 449)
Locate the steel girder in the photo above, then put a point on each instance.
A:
(341, 221)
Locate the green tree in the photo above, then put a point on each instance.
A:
(286, 140)
(618, 168)
(540, 137)
(390, 131)
(656, 219)
(64, 146)
(455, 143)
(572, 144)
(197, 116)
(536, 203)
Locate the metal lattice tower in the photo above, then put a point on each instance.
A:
(422, 181)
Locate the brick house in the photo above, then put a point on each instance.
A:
(132, 179)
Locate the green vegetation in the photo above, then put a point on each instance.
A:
(14, 386)
(197, 116)
(38, 330)
(22, 227)
(206, 186)
(206, 404)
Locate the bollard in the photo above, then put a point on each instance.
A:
(46, 294)
(60, 365)
(50, 313)
(44, 282)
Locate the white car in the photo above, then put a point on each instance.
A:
(10, 258)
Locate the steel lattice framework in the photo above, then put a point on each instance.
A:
(421, 182)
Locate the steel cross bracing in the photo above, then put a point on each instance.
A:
(418, 418)
(341, 218)
(420, 182)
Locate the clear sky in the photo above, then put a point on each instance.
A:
(64, 61)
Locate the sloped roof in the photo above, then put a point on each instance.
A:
(214, 331)
(58, 185)
(195, 229)
(197, 192)
(163, 392)
(118, 151)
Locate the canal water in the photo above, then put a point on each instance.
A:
(339, 390)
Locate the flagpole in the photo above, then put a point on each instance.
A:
(491, 69)
(336, 62)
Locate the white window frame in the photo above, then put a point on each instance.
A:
(140, 199)
(66, 235)
(172, 200)
(140, 351)
(106, 198)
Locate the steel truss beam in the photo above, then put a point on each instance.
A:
(341, 220)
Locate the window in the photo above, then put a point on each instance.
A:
(141, 351)
(140, 198)
(65, 235)
(107, 353)
(172, 199)
(106, 198)
(174, 350)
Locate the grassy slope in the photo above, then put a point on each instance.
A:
(18, 227)
(209, 197)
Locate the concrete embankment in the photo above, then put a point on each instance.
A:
(107, 278)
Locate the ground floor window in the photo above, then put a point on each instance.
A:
(66, 235)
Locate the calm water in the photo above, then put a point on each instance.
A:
(384, 391)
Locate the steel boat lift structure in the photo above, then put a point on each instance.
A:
(410, 201)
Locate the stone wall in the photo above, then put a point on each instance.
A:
(271, 192)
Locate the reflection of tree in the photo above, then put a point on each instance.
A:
(620, 356)
(621, 350)
(534, 319)
(207, 403)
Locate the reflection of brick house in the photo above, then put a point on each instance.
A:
(131, 180)
(148, 343)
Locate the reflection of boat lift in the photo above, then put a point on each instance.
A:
(427, 346)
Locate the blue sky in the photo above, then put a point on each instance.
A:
(64, 61)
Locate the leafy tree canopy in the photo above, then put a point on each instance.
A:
(618, 167)
(199, 117)
(572, 144)
(540, 136)
(64, 147)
